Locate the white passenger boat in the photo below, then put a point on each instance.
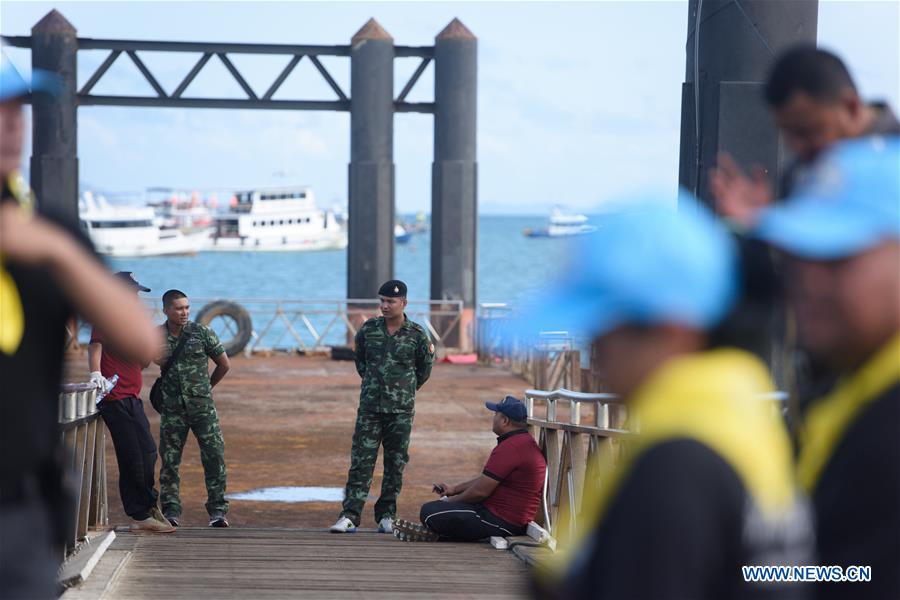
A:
(133, 231)
(562, 224)
(276, 219)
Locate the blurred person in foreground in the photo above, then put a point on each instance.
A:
(123, 412)
(501, 500)
(815, 104)
(48, 272)
(840, 235)
(705, 485)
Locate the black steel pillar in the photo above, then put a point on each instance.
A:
(730, 48)
(54, 158)
(454, 211)
(370, 255)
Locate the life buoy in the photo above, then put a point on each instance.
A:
(234, 312)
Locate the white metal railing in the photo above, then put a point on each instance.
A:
(308, 324)
(84, 436)
(571, 441)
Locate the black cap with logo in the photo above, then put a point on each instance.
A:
(393, 289)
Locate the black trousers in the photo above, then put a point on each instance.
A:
(135, 453)
(465, 522)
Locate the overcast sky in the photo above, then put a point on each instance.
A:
(578, 102)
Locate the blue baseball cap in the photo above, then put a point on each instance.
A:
(510, 406)
(648, 266)
(848, 202)
(13, 85)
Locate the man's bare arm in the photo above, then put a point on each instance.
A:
(222, 366)
(95, 294)
(95, 352)
(480, 490)
(443, 489)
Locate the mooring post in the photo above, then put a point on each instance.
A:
(454, 209)
(370, 255)
(54, 157)
(730, 48)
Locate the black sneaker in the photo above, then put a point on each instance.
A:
(173, 520)
(218, 519)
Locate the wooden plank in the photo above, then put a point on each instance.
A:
(284, 563)
(79, 566)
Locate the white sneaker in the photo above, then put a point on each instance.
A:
(386, 525)
(343, 525)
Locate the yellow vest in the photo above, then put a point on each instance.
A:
(714, 398)
(12, 315)
(828, 419)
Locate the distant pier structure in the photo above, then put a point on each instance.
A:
(730, 47)
(54, 45)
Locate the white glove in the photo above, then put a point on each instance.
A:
(98, 379)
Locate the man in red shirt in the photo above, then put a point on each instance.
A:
(123, 412)
(501, 501)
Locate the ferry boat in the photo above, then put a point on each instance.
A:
(562, 224)
(133, 231)
(276, 219)
(181, 210)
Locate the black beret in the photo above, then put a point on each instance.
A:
(393, 289)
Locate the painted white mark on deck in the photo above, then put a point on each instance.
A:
(291, 494)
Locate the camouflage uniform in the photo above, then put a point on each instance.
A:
(188, 406)
(392, 368)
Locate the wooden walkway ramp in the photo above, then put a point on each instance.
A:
(255, 564)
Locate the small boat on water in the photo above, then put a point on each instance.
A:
(401, 235)
(277, 219)
(134, 231)
(562, 224)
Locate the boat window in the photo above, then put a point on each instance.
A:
(120, 224)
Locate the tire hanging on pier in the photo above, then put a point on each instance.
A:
(237, 315)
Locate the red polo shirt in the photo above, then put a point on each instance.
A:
(517, 463)
(130, 380)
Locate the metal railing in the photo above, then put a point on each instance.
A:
(84, 436)
(310, 325)
(573, 431)
(572, 439)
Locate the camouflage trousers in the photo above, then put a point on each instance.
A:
(178, 417)
(390, 430)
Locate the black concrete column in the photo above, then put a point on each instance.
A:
(730, 48)
(454, 210)
(370, 255)
(54, 158)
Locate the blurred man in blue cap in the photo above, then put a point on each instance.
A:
(841, 237)
(47, 273)
(705, 485)
(501, 501)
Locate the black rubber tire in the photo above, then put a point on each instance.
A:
(238, 314)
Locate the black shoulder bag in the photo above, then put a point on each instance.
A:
(156, 390)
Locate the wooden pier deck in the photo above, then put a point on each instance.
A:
(257, 564)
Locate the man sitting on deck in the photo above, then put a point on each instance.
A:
(501, 501)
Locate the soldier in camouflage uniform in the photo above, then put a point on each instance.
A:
(394, 358)
(188, 406)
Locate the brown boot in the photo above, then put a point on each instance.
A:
(151, 525)
(155, 513)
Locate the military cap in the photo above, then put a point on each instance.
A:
(393, 289)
